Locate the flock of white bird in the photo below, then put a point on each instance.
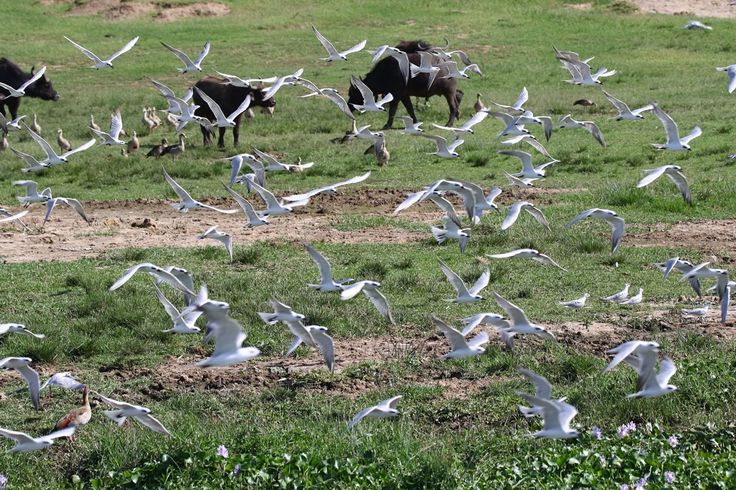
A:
(229, 336)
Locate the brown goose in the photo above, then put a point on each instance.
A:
(157, 150)
(78, 416)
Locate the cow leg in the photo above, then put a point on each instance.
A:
(392, 106)
(206, 138)
(221, 138)
(236, 133)
(452, 102)
(406, 100)
(13, 105)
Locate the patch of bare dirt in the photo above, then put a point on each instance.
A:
(580, 6)
(123, 224)
(113, 9)
(696, 8)
(712, 236)
(209, 9)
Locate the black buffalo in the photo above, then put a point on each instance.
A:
(11, 74)
(229, 98)
(386, 78)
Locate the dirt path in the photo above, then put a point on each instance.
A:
(695, 8)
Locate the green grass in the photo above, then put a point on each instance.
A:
(459, 426)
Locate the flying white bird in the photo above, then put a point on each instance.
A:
(591, 127)
(518, 105)
(187, 202)
(281, 81)
(467, 127)
(22, 365)
(182, 321)
(682, 266)
(674, 172)
(617, 223)
(400, 56)
(314, 336)
(244, 82)
(18, 328)
(334, 55)
(370, 290)
(624, 113)
(527, 253)
(52, 158)
(531, 141)
(557, 417)
(581, 71)
(425, 66)
(444, 149)
(576, 303)
(158, 273)
(515, 211)
(63, 380)
(229, 338)
(328, 189)
(72, 203)
(386, 408)
(32, 194)
(542, 389)
(116, 128)
(454, 72)
(519, 323)
(465, 295)
(480, 202)
(21, 91)
(281, 313)
(100, 63)
(274, 207)
(328, 93)
(25, 443)
(697, 25)
(369, 102)
(273, 165)
(124, 410)
(254, 218)
(13, 217)
(483, 319)
(731, 72)
(452, 229)
(702, 270)
(223, 121)
(411, 127)
(461, 348)
(189, 65)
(674, 141)
(528, 170)
(618, 297)
(327, 283)
(222, 237)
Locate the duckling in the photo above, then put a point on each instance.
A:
(35, 126)
(77, 417)
(478, 106)
(172, 121)
(382, 154)
(154, 117)
(4, 142)
(157, 150)
(175, 150)
(92, 123)
(133, 144)
(62, 142)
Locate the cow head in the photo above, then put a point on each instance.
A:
(259, 91)
(42, 88)
(354, 97)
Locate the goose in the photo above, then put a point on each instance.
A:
(35, 126)
(134, 144)
(100, 63)
(79, 416)
(479, 105)
(4, 145)
(63, 143)
(147, 121)
(157, 150)
(175, 150)
(189, 65)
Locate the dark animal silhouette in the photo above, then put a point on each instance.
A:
(386, 78)
(229, 98)
(11, 74)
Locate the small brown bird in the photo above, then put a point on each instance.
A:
(62, 142)
(133, 144)
(267, 110)
(78, 416)
(382, 155)
(157, 150)
(249, 114)
(35, 126)
(147, 121)
(584, 103)
(4, 142)
(175, 150)
(478, 106)
(154, 117)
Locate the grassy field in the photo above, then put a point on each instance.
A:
(283, 421)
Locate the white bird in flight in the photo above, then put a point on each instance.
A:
(557, 417)
(314, 336)
(542, 389)
(528, 170)
(100, 63)
(254, 218)
(18, 328)
(527, 253)
(32, 194)
(369, 102)
(229, 338)
(624, 113)
(52, 158)
(21, 91)
(22, 365)
(519, 323)
(333, 54)
(274, 207)
(483, 319)
(63, 380)
(674, 141)
(223, 121)
(515, 211)
(467, 127)
(370, 290)
(328, 189)
(225, 238)
(182, 321)
(444, 149)
(189, 65)
(187, 202)
(518, 105)
(461, 348)
(327, 283)
(281, 81)
(25, 443)
(731, 72)
(72, 203)
(617, 223)
(591, 127)
(674, 172)
(122, 411)
(465, 294)
(386, 408)
(158, 273)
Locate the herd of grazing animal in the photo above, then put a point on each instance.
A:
(410, 69)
